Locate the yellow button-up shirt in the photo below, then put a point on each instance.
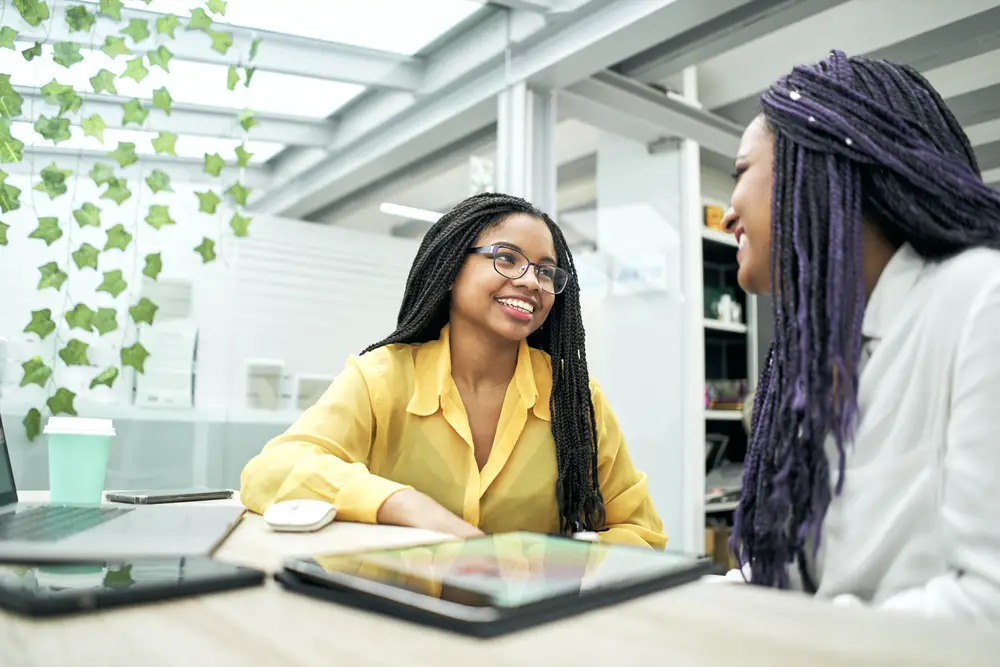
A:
(394, 419)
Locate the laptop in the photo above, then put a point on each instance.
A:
(45, 532)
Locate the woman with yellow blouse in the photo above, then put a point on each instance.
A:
(478, 413)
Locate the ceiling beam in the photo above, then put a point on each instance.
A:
(584, 42)
(188, 119)
(285, 54)
(743, 24)
(669, 113)
(181, 170)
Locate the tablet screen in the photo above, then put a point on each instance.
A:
(509, 570)
(74, 579)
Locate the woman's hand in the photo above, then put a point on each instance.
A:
(416, 510)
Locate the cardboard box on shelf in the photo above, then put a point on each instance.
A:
(713, 217)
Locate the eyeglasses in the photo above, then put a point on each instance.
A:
(511, 263)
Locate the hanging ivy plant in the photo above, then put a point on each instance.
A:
(63, 104)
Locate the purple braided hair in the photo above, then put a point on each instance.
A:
(854, 138)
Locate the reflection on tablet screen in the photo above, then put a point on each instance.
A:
(508, 570)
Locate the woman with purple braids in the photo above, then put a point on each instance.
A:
(874, 454)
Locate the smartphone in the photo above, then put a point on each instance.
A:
(167, 496)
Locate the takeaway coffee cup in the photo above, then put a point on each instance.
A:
(78, 458)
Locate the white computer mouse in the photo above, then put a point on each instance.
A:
(299, 516)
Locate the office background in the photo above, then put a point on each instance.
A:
(373, 117)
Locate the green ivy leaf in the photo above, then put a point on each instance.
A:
(199, 20)
(55, 130)
(7, 37)
(248, 119)
(159, 217)
(32, 424)
(34, 51)
(134, 112)
(135, 70)
(61, 403)
(94, 126)
(117, 191)
(52, 276)
(242, 156)
(81, 317)
(75, 353)
(85, 257)
(115, 46)
(112, 8)
(118, 238)
(162, 100)
(41, 323)
(135, 356)
(113, 283)
(106, 377)
(221, 41)
(88, 215)
(240, 225)
(11, 148)
(254, 45)
(165, 142)
(137, 29)
(105, 320)
(79, 19)
(66, 54)
(53, 181)
(160, 58)
(165, 25)
(239, 193)
(64, 97)
(158, 181)
(208, 202)
(154, 265)
(103, 82)
(3, 233)
(32, 11)
(214, 164)
(35, 372)
(10, 197)
(10, 100)
(232, 78)
(124, 155)
(48, 230)
(101, 174)
(144, 311)
(248, 74)
(216, 7)
(206, 249)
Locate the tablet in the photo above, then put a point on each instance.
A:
(491, 585)
(54, 589)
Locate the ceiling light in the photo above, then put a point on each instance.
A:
(410, 212)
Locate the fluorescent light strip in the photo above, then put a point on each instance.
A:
(409, 212)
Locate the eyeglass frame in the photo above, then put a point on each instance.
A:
(492, 251)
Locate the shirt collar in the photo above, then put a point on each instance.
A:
(432, 378)
(893, 287)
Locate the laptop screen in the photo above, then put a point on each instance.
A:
(8, 492)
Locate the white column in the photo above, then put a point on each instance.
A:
(526, 120)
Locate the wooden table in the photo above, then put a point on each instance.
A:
(700, 625)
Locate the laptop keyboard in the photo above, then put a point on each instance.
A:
(54, 522)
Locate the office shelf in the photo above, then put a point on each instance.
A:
(732, 327)
(723, 415)
(715, 236)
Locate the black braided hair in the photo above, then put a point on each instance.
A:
(854, 139)
(426, 309)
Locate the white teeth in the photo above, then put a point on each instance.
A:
(743, 240)
(523, 306)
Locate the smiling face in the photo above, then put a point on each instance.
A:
(511, 309)
(749, 215)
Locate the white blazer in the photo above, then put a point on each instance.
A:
(917, 526)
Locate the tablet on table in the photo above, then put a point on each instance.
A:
(491, 585)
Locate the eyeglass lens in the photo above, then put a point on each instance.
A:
(511, 264)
